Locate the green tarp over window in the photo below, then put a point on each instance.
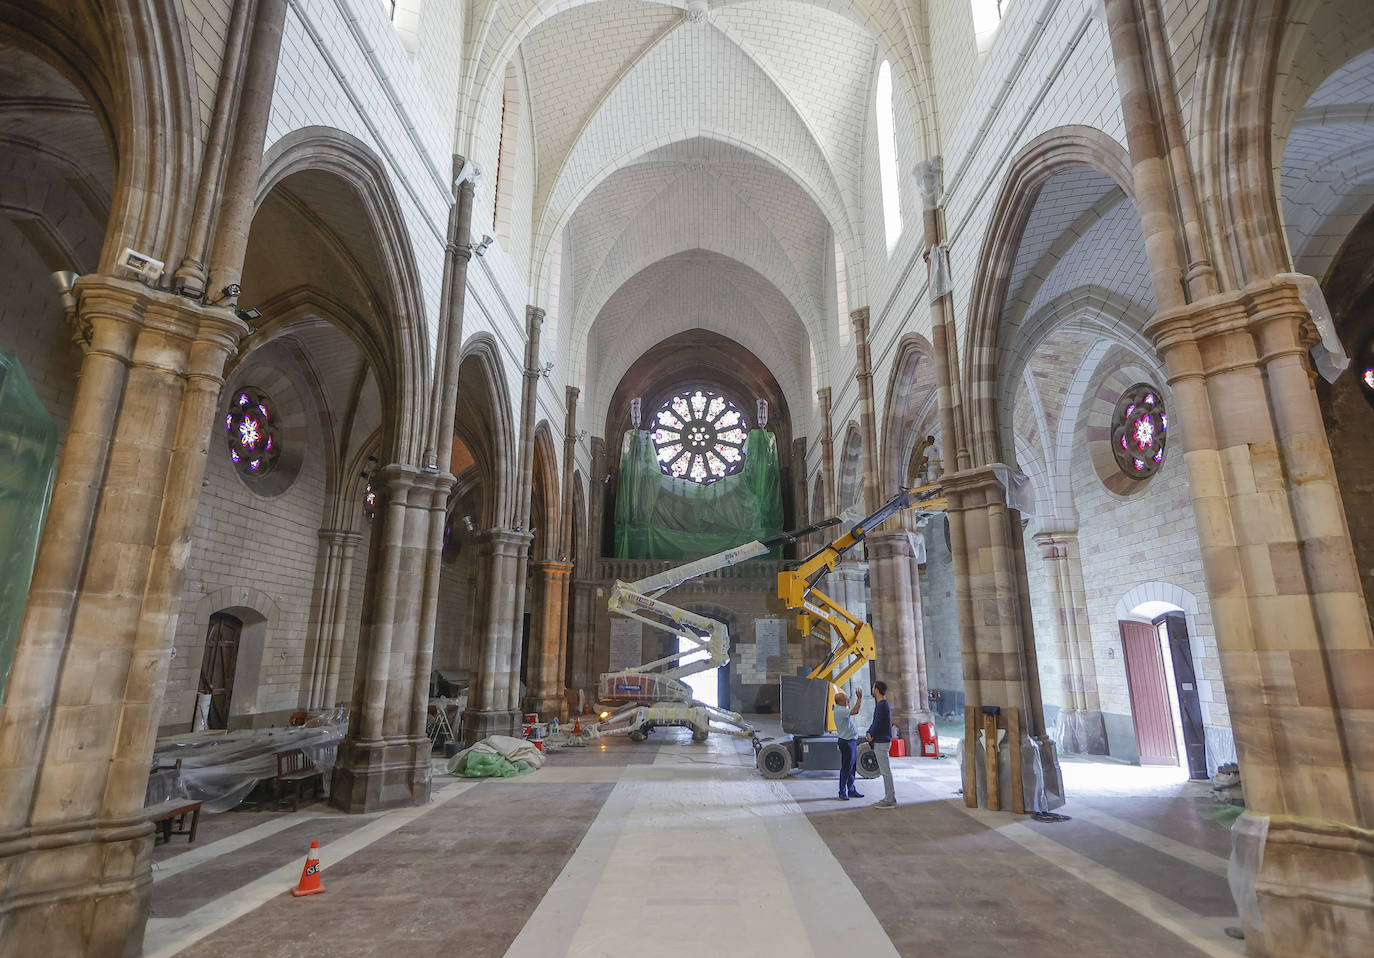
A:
(661, 518)
(28, 451)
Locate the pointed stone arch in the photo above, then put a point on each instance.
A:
(400, 334)
(1057, 150)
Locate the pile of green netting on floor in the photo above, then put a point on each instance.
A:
(497, 756)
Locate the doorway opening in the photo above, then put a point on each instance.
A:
(1162, 683)
(218, 664)
(705, 685)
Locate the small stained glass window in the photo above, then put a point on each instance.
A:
(699, 435)
(1139, 431)
(251, 432)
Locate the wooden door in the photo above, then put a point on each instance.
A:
(1150, 710)
(217, 665)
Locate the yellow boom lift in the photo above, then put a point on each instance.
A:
(807, 703)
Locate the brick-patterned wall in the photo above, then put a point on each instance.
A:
(268, 545)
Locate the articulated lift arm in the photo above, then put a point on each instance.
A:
(660, 681)
(797, 589)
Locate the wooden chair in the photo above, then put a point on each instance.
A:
(169, 818)
(294, 769)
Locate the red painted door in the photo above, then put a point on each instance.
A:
(1154, 719)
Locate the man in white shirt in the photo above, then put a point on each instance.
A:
(849, 749)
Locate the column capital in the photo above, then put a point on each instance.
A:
(340, 537)
(570, 395)
(859, 317)
(553, 569)
(890, 545)
(534, 317)
(506, 542)
(973, 488)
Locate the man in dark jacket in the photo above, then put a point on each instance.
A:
(880, 737)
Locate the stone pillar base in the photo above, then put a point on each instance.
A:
(373, 776)
(478, 725)
(1314, 894)
(85, 891)
(907, 723)
(547, 707)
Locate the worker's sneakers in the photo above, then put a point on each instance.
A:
(844, 797)
(855, 793)
(884, 803)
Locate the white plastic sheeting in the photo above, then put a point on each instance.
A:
(1329, 355)
(1248, 835)
(220, 769)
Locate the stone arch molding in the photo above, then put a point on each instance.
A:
(908, 407)
(129, 60)
(404, 377)
(486, 353)
(1057, 150)
(1156, 592)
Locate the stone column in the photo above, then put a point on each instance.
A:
(953, 446)
(823, 396)
(583, 634)
(994, 618)
(868, 418)
(894, 575)
(800, 494)
(548, 641)
(85, 692)
(524, 491)
(489, 709)
(1083, 727)
(384, 761)
(1293, 634)
(337, 549)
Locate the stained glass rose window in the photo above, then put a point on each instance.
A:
(251, 433)
(699, 435)
(1140, 428)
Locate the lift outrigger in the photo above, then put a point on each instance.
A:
(807, 702)
(655, 695)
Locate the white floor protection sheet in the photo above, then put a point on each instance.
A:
(695, 855)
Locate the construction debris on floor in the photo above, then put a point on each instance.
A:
(496, 756)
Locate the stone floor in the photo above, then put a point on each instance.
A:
(669, 848)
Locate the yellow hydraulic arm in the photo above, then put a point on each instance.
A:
(797, 589)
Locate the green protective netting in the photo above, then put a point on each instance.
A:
(658, 517)
(487, 765)
(28, 454)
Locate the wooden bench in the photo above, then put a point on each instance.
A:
(294, 771)
(169, 818)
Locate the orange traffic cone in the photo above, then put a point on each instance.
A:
(310, 877)
(577, 726)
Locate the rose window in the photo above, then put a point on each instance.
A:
(1139, 427)
(699, 435)
(251, 433)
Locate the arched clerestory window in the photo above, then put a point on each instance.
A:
(887, 157)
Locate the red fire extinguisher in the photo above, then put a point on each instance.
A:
(930, 742)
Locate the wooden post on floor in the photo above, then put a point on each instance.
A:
(970, 756)
(990, 760)
(1018, 798)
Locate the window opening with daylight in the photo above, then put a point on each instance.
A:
(887, 157)
(251, 433)
(1139, 428)
(699, 435)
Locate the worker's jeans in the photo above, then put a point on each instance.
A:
(849, 759)
(882, 751)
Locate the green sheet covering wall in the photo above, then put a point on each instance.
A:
(28, 454)
(657, 517)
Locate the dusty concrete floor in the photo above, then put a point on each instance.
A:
(665, 847)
